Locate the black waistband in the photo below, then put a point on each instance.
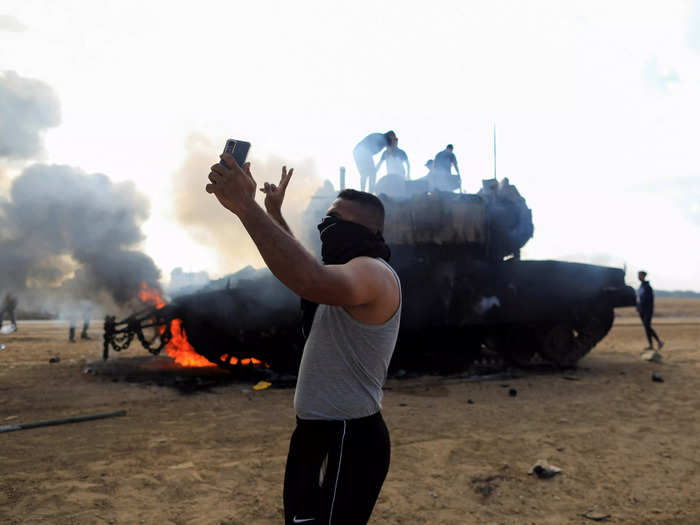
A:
(325, 423)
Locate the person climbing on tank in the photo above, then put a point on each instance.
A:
(364, 152)
(442, 170)
(645, 307)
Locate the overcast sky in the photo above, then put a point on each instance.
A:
(595, 105)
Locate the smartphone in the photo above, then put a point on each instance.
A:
(238, 149)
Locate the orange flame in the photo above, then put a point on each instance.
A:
(150, 296)
(179, 348)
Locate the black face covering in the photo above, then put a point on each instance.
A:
(342, 241)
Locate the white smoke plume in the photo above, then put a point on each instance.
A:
(212, 225)
(27, 108)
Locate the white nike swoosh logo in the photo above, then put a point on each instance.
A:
(296, 520)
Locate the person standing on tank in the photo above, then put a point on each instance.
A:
(395, 159)
(339, 451)
(444, 161)
(645, 307)
(364, 156)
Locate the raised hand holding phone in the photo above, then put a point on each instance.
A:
(238, 149)
(231, 182)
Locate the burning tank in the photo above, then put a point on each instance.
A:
(466, 291)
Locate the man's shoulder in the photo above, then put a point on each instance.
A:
(375, 265)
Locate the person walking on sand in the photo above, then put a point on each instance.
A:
(339, 451)
(645, 307)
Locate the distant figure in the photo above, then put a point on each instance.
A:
(395, 159)
(445, 160)
(8, 308)
(364, 153)
(83, 334)
(85, 310)
(645, 307)
(441, 172)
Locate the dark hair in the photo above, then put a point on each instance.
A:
(370, 202)
(450, 146)
(390, 132)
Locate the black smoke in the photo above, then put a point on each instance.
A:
(62, 227)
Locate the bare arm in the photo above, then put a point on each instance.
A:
(360, 281)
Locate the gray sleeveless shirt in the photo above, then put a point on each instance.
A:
(344, 364)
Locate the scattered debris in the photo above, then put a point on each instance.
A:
(61, 421)
(656, 377)
(487, 484)
(2, 347)
(470, 401)
(596, 515)
(543, 470)
(512, 392)
(403, 405)
(180, 466)
(571, 378)
(55, 359)
(651, 355)
(262, 385)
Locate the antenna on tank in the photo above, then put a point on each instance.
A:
(494, 151)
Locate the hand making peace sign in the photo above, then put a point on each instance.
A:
(274, 195)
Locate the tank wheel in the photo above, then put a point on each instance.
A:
(564, 344)
(514, 344)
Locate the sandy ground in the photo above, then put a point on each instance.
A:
(461, 449)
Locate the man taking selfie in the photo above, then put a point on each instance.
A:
(340, 449)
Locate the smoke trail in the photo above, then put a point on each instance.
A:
(212, 225)
(27, 108)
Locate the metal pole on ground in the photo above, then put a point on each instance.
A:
(61, 421)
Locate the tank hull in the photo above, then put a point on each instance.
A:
(452, 308)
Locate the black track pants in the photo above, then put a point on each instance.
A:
(646, 321)
(335, 470)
